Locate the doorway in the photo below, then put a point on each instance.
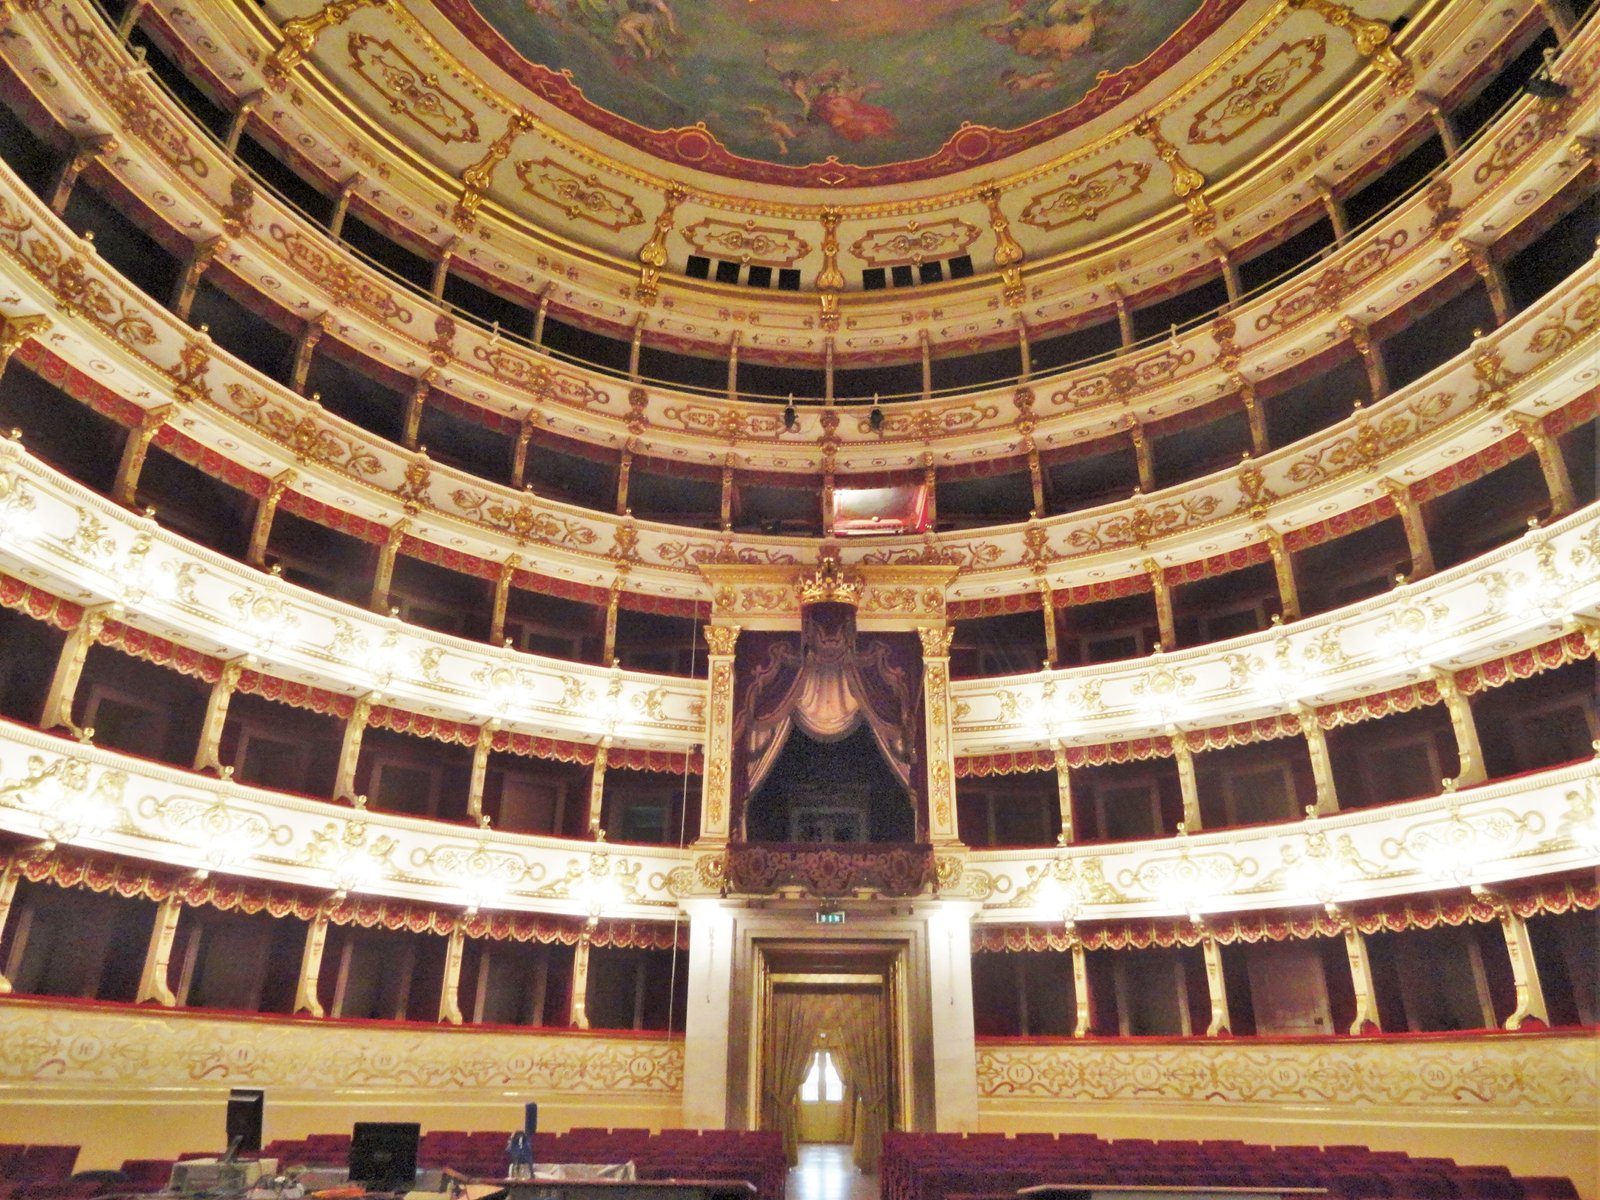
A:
(831, 1033)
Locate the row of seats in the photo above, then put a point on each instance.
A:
(995, 1166)
(37, 1172)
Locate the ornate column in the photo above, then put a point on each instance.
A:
(1524, 969)
(717, 786)
(135, 448)
(1355, 949)
(1410, 514)
(733, 365)
(1254, 414)
(84, 152)
(1063, 793)
(942, 827)
(8, 892)
(1556, 476)
(597, 789)
(441, 270)
(1082, 1001)
(15, 332)
(341, 206)
(1465, 728)
(1187, 783)
(927, 363)
(1494, 279)
(355, 728)
(930, 481)
(613, 604)
(1024, 349)
(1163, 596)
(305, 992)
(1371, 357)
(1230, 271)
(725, 509)
(1124, 315)
(1047, 609)
(652, 257)
(266, 509)
(1335, 210)
(201, 255)
(1321, 764)
(1141, 453)
(578, 1010)
(303, 350)
(480, 770)
(206, 756)
(1442, 125)
(502, 598)
(1217, 986)
(539, 316)
(624, 472)
(1283, 571)
(241, 118)
(635, 344)
(420, 388)
(383, 577)
(153, 985)
(57, 713)
(519, 455)
(450, 988)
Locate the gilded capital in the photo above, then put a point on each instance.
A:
(936, 640)
(721, 639)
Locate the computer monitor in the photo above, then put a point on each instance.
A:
(383, 1154)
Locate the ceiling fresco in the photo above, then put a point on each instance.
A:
(830, 92)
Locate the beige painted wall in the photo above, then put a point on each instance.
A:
(1529, 1101)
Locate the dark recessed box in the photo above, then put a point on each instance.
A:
(872, 279)
(727, 272)
(698, 267)
(902, 276)
(759, 277)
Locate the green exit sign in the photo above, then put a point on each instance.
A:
(830, 916)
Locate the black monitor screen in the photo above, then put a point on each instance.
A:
(383, 1155)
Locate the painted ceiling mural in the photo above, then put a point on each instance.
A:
(836, 92)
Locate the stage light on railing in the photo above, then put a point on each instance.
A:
(790, 417)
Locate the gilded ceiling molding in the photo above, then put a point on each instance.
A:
(1373, 40)
(1008, 253)
(300, 36)
(653, 254)
(477, 179)
(1188, 184)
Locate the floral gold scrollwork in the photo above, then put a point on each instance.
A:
(1008, 253)
(510, 367)
(56, 792)
(211, 823)
(77, 290)
(926, 424)
(1329, 286)
(746, 242)
(1188, 184)
(90, 538)
(135, 1049)
(127, 93)
(1085, 197)
(721, 639)
(1126, 379)
(306, 439)
(1260, 93)
(1370, 442)
(1143, 525)
(579, 197)
(653, 254)
(1451, 846)
(1066, 884)
(475, 180)
(345, 284)
(300, 35)
(690, 554)
(523, 521)
(410, 91)
(1502, 1074)
(1567, 325)
(915, 242)
(1511, 147)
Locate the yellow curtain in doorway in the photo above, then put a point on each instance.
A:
(795, 1020)
(859, 1039)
